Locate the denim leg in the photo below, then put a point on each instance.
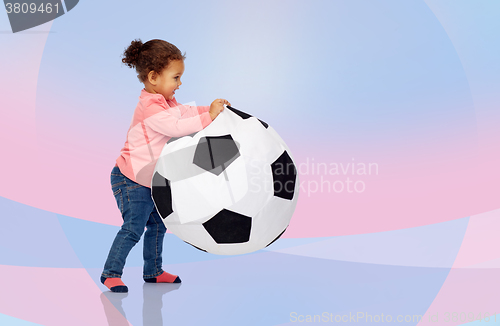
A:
(153, 245)
(135, 204)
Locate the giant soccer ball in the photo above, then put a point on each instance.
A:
(228, 189)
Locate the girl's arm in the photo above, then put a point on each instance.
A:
(158, 119)
(189, 110)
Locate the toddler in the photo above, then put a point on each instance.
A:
(156, 119)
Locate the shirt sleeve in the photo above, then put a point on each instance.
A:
(160, 120)
(189, 110)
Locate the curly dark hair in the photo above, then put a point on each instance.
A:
(154, 55)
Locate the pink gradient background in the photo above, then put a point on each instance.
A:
(47, 302)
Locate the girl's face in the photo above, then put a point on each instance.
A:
(170, 79)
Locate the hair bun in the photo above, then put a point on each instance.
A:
(131, 54)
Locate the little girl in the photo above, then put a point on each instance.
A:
(157, 118)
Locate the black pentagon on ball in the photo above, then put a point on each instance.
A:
(229, 227)
(284, 176)
(162, 195)
(244, 115)
(215, 153)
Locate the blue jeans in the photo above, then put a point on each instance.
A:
(138, 212)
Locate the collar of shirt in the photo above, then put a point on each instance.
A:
(170, 103)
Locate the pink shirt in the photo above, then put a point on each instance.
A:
(155, 121)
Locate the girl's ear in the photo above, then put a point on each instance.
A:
(152, 77)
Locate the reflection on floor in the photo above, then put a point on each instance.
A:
(50, 276)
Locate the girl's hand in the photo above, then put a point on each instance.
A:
(217, 106)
